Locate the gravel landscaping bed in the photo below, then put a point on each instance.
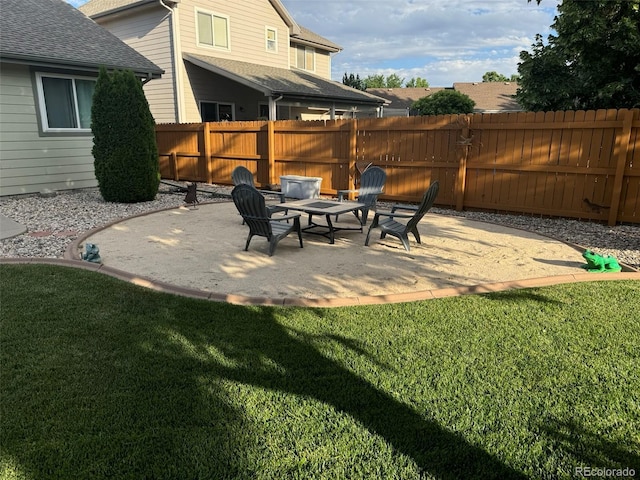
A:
(54, 222)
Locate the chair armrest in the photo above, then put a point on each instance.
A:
(393, 214)
(274, 192)
(341, 193)
(402, 206)
(285, 217)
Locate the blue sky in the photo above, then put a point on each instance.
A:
(443, 41)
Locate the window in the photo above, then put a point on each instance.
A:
(216, 112)
(271, 37)
(212, 30)
(305, 57)
(65, 102)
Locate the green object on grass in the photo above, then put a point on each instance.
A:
(599, 263)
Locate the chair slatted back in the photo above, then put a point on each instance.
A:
(428, 199)
(371, 184)
(242, 176)
(251, 205)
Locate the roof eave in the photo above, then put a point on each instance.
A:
(46, 62)
(330, 98)
(124, 8)
(316, 44)
(227, 74)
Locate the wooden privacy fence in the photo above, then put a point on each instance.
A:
(579, 164)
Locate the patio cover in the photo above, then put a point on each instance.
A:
(292, 85)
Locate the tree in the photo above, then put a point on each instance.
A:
(394, 81)
(494, 77)
(124, 140)
(444, 102)
(375, 81)
(593, 61)
(417, 83)
(353, 81)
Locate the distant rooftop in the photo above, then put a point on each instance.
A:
(489, 96)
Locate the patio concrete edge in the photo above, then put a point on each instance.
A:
(323, 302)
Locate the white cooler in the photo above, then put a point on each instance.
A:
(297, 186)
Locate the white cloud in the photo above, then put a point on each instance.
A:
(442, 41)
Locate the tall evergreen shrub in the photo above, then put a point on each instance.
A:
(124, 140)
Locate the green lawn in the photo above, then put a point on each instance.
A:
(103, 379)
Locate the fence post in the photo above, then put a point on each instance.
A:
(271, 152)
(173, 165)
(206, 146)
(623, 138)
(463, 152)
(353, 155)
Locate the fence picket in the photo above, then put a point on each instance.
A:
(544, 163)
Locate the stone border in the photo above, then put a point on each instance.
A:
(324, 302)
(72, 258)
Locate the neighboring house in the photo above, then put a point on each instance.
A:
(490, 97)
(400, 100)
(242, 60)
(50, 55)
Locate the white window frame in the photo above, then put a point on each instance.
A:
(273, 42)
(307, 50)
(44, 118)
(212, 15)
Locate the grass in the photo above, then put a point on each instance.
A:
(100, 378)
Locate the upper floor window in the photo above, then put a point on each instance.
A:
(271, 39)
(212, 29)
(306, 57)
(65, 102)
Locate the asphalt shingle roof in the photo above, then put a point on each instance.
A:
(96, 7)
(52, 32)
(274, 80)
(489, 96)
(403, 97)
(312, 37)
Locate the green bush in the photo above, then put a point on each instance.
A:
(124, 140)
(444, 102)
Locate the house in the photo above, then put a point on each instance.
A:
(490, 97)
(223, 60)
(50, 54)
(400, 100)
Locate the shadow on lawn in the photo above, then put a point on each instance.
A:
(252, 343)
(140, 387)
(589, 447)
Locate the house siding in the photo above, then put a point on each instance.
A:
(149, 32)
(30, 162)
(247, 21)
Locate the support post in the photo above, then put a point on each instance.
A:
(271, 153)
